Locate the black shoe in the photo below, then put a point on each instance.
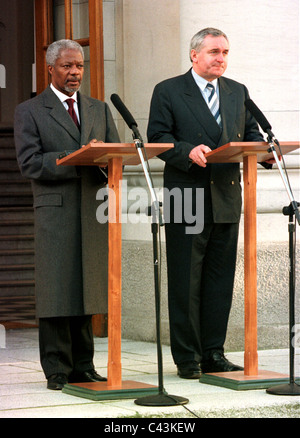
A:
(87, 376)
(57, 381)
(189, 370)
(217, 363)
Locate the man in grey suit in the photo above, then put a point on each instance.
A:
(70, 245)
(201, 266)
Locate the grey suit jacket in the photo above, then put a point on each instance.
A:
(180, 115)
(70, 245)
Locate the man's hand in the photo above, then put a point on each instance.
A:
(272, 160)
(93, 141)
(197, 155)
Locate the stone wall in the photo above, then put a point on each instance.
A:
(152, 40)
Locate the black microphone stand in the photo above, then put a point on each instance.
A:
(291, 388)
(162, 398)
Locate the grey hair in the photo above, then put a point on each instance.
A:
(55, 49)
(198, 39)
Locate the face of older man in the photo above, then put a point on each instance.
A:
(211, 61)
(67, 73)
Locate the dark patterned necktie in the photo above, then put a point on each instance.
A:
(213, 103)
(71, 111)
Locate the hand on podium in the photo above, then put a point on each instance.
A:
(197, 154)
(93, 141)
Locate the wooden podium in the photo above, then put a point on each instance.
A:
(250, 154)
(115, 156)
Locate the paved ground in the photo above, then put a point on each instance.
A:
(23, 392)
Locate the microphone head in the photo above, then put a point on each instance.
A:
(258, 115)
(115, 98)
(127, 116)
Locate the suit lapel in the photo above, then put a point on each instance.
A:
(195, 101)
(59, 114)
(87, 116)
(228, 110)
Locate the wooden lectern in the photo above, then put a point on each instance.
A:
(115, 156)
(250, 154)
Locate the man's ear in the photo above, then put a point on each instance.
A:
(50, 69)
(193, 54)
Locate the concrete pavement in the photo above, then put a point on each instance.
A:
(23, 392)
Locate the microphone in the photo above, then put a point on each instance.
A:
(127, 116)
(259, 116)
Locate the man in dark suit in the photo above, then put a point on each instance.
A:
(70, 245)
(201, 265)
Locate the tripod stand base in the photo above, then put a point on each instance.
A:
(289, 389)
(161, 399)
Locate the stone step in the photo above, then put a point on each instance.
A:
(21, 185)
(7, 154)
(16, 223)
(9, 288)
(16, 198)
(16, 213)
(16, 256)
(12, 175)
(9, 164)
(10, 252)
(11, 171)
(13, 241)
(16, 272)
(16, 227)
(23, 267)
(7, 142)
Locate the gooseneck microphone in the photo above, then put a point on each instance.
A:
(125, 113)
(259, 116)
(123, 110)
(139, 144)
(266, 127)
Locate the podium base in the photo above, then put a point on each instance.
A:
(98, 391)
(162, 399)
(238, 381)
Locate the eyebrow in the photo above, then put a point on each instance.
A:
(216, 49)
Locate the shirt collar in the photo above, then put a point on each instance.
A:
(62, 97)
(201, 82)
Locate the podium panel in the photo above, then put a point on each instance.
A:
(115, 156)
(248, 153)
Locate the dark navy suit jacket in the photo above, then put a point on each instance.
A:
(180, 115)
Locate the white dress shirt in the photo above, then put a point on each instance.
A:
(201, 82)
(63, 97)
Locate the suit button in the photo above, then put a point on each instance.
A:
(239, 135)
(232, 182)
(212, 182)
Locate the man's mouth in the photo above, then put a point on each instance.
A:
(72, 85)
(73, 82)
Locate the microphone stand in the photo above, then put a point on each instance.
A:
(162, 398)
(291, 388)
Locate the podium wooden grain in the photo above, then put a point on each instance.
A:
(249, 154)
(115, 156)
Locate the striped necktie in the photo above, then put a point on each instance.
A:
(213, 103)
(71, 111)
